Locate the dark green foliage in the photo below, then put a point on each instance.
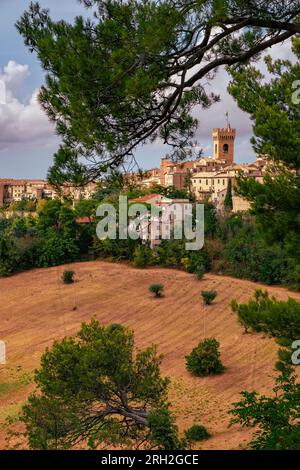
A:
(57, 216)
(99, 369)
(143, 256)
(210, 219)
(164, 431)
(228, 204)
(276, 418)
(274, 109)
(280, 319)
(116, 250)
(205, 359)
(197, 260)
(112, 81)
(157, 290)
(51, 239)
(247, 255)
(200, 271)
(68, 277)
(209, 296)
(54, 250)
(24, 205)
(171, 192)
(196, 433)
(171, 252)
(9, 256)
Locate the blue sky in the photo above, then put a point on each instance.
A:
(28, 141)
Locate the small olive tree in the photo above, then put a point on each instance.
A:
(205, 359)
(209, 296)
(157, 290)
(68, 277)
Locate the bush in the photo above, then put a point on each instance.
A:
(68, 277)
(196, 433)
(143, 256)
(209, 296)
(248, 256)
(156, 289)
(205, 359)
(54, 250)
(200, 271)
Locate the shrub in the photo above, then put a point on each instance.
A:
(68, 277)
(54, 250)
(164, 431)
(205, 359)
(200, 271)
(156, 289)
(209, 296)
(196, 433)
(143, 256)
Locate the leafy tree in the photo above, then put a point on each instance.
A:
(279, 318)
(54, 249)
(113, 183)
(86, 208)
(276, 419)
(58, 216)
(143, 256)
(209, 296)
(196, 433)
(68, 277)
(210, 219)
(157, 290)
(228, 204)
(112, 82)
(246, 254)
(205, 359)
(116, 250)
(164, 431)
(95, 388)
(9, 255)
(274, 109)
(200, 271)
(23, 205)
(171, 192)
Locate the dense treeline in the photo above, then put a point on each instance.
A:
(233, 244)
(51, 238)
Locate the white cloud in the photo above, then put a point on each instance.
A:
(22, 122)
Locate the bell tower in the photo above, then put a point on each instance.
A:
(224, 140)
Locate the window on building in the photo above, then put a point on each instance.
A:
(225, 148)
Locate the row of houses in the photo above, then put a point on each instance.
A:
(204, 178)
(15, 190)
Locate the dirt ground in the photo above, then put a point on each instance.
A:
(37, 308)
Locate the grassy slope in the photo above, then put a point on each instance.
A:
(36, 308)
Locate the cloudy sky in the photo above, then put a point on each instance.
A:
(27, 139)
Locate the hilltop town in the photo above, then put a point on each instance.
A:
(205, 178)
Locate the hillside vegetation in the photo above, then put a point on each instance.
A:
(37, 308)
